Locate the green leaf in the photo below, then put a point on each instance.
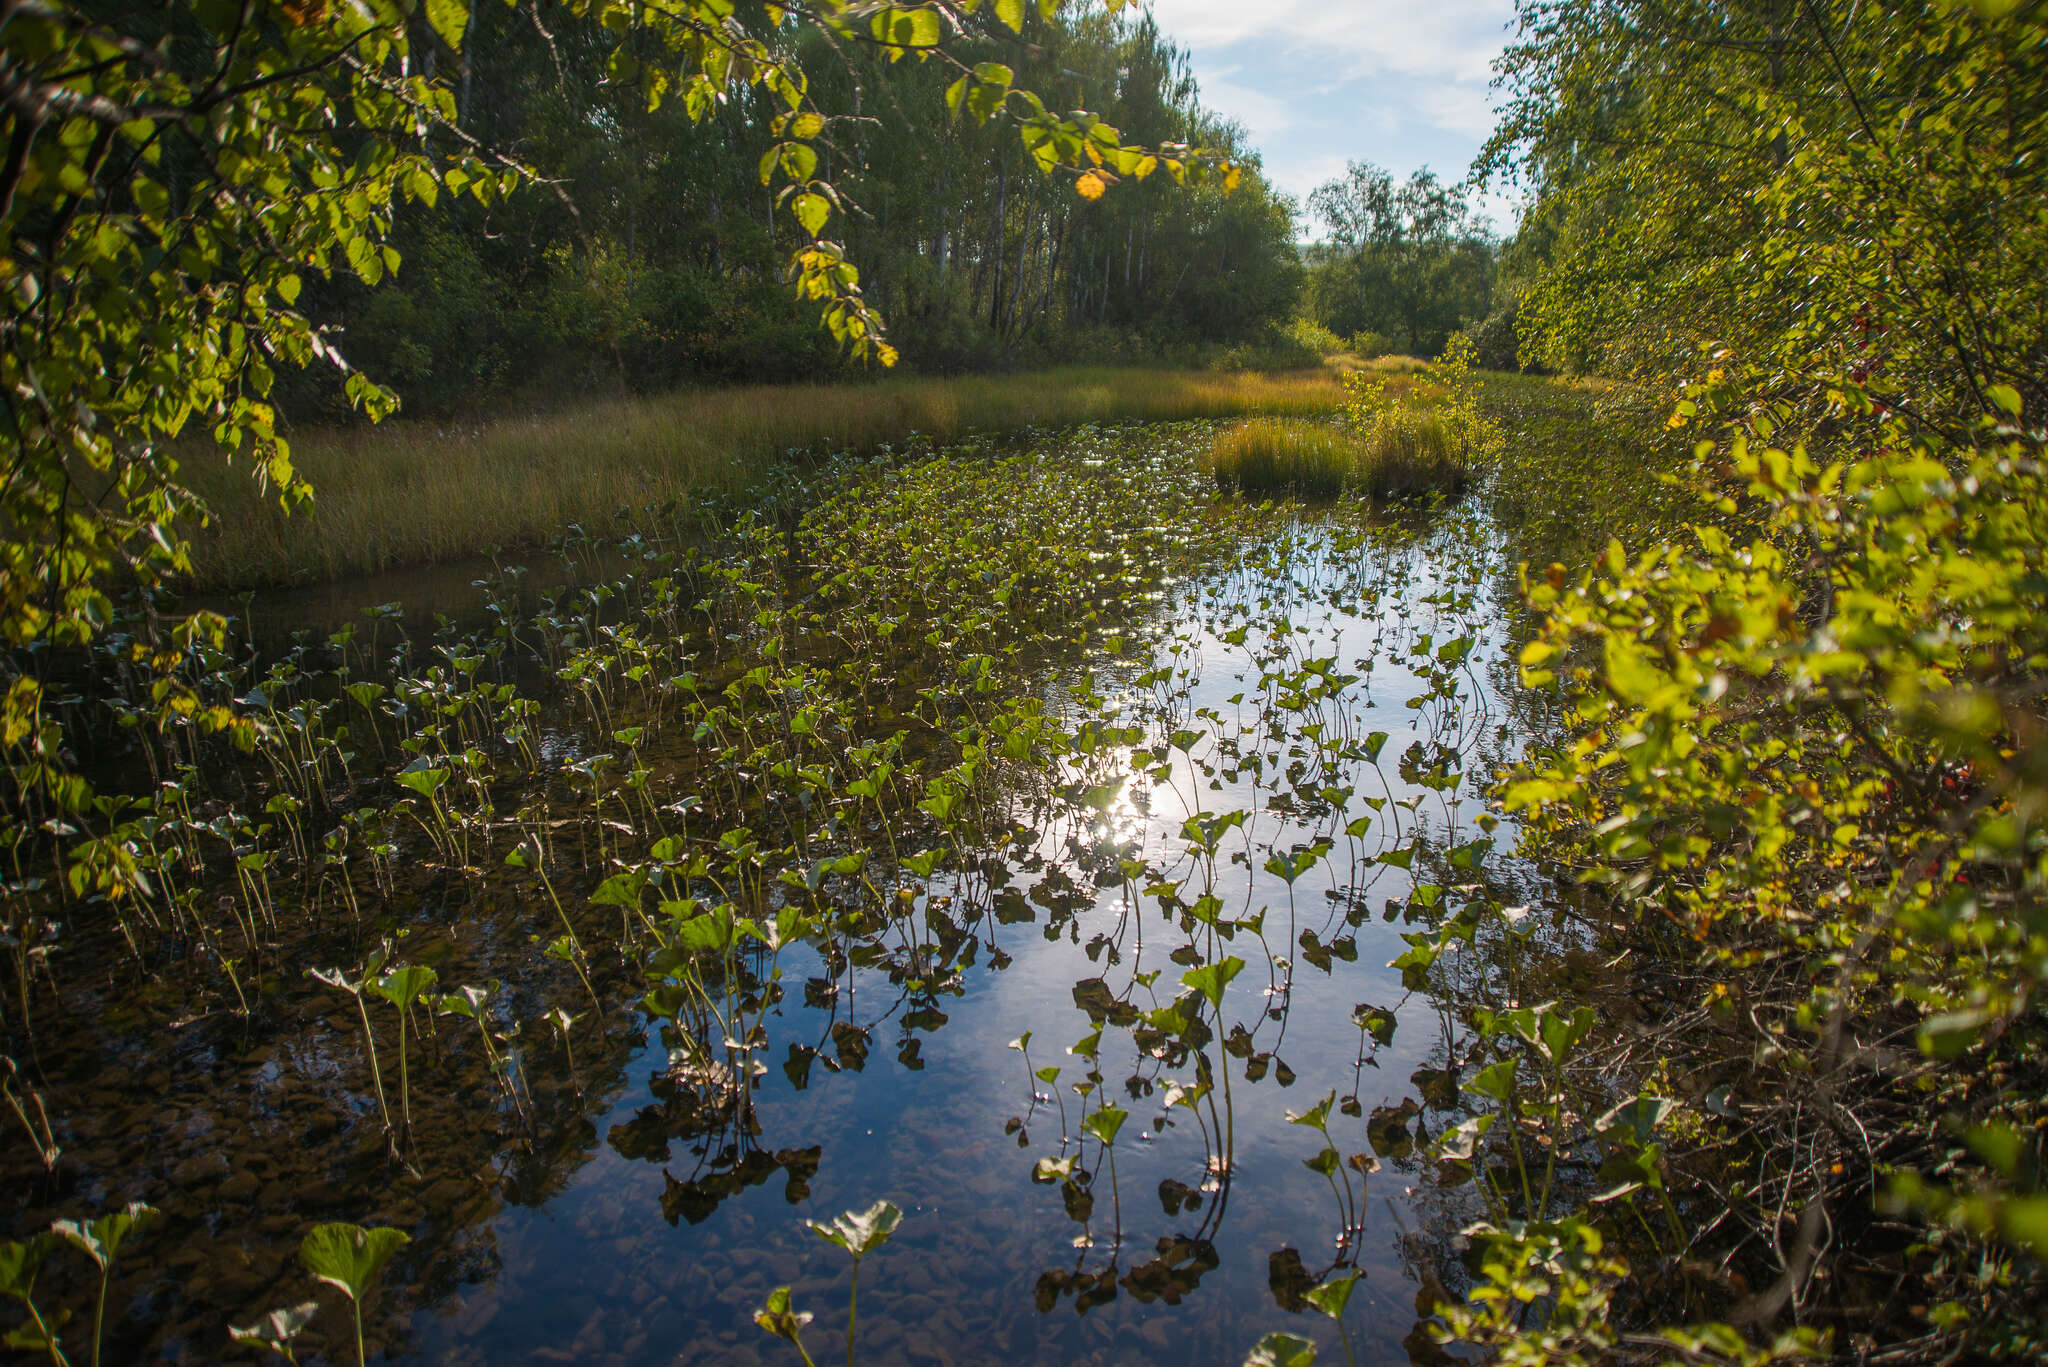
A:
(425, 781)
(1496, 1080)
(860, 1233)
(1211, 979)
(1948, 1035)
(402, 986)
(2024, 1220)
(101, 1239)
(1333, 1295)
(1281, 1350)
(812, 211)
(1104, 1123)
(21, 1260)
(778, 1319)
(450, 19)
(350, 1257)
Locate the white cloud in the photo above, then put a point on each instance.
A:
(1446, 40)
(1264, 115)
(1318, 82)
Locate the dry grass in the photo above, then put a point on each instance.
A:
(413, 493)
(1346, 363)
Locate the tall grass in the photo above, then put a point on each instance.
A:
(1269, 455)
(414, 493)
(1405, 452)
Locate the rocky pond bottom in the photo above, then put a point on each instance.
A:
(1097, 873)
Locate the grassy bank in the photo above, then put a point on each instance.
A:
(413, 493)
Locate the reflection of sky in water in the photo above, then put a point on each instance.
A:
(596, 1275)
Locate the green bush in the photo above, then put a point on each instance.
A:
(1408, 452)
(1368, 345)
(1312, 336)
(1494, 343)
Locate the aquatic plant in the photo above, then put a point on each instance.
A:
(363, 980)
(859, 1233)
(778, 1319)
(20, 1262)
(1269, 455)
(349, 1258)
(101, 1239)
(278, 1331)
(407, 491)
(981, 680)
(1331, 1297)
(38, 1128)
(403, 986)
(1407, 452)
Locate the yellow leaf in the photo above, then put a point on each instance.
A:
(1091, 186)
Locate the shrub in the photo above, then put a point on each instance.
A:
(1406, 452)
(1309, 335)
(1494, 345)
(1367, 345)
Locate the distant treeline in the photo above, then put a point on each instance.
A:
(660, 260)
(1400, 266)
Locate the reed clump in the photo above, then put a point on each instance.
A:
(1409, 452)
(1270, 455)
(417, 492)
(1402, 453)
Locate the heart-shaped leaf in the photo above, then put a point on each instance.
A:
(349, 1256)
(101, 1239)
(402, 986)
(860, 1233)
(1333, 1295)
(1211, 979)
(20, 1260)
(1105, 1123)
(1281, 1350)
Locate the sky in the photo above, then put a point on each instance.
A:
(1403, 83)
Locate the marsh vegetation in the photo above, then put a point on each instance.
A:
(1017, 868)
(614, 904)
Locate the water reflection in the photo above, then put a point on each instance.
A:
(1020, 1241)
(1272, 755)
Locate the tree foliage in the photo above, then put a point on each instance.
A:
(1409, 261)
(176, 178)
(1806, 734)
(659, 262)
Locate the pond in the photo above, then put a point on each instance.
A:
(1019, 836)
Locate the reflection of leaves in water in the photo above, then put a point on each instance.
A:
(1093, 996)
(1438, 1087)
(851, 1043)
(1089, 1289)
(1387, 1130)
(1289, 1280)
(1176, 1196)
(697, 1198)
(1174, 1273)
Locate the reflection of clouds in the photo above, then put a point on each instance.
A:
(979, 1232)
